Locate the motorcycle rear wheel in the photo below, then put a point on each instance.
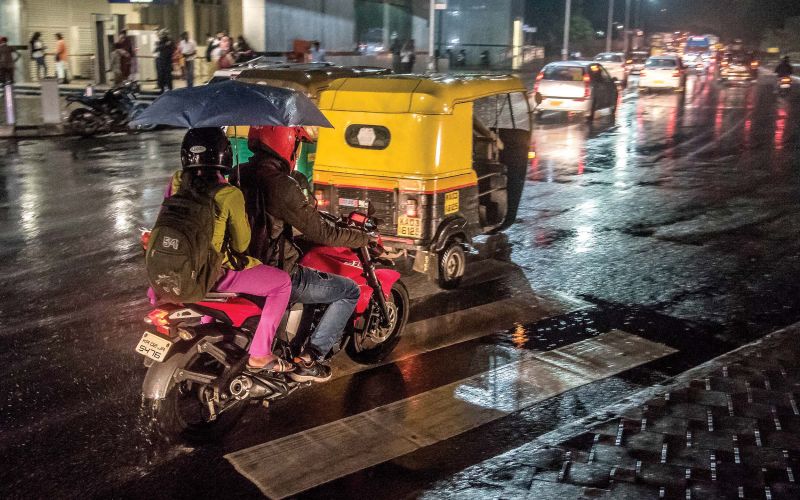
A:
(378, 342)
(183, 415)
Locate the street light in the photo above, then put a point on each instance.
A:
(567, 14)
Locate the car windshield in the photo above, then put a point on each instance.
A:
(639, 58)
(608, 58)
(564, 73)
(661, 63)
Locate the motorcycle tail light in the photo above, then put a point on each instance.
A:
(754, 64)
(411, 207)
(159, 318)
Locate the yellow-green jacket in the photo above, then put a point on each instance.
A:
(230, 222)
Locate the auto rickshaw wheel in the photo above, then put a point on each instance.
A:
(452, 263)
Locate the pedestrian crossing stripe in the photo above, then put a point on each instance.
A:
(348, 445)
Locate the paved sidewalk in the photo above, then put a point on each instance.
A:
(727, 429)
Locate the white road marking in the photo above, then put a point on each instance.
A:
(339, 448)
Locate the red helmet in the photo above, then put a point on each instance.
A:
(282, 141)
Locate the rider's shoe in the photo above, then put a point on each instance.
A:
(310, 371)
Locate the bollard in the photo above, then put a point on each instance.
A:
(51, 103)
(9, 128)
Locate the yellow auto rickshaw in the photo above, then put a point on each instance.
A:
(310, 79)
(440, 159)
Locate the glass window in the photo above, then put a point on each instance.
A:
(367, 136)
(563, 73)
(661, 63)
(493, 111)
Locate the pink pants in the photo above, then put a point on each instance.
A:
(264, 281)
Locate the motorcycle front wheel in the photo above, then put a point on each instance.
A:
(84, 122)
(374, 344)
(185, 412)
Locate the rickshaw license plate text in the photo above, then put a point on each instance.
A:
(409, 226)
(153, 346)
(451, 202)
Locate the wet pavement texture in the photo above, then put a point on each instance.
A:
(676, 223)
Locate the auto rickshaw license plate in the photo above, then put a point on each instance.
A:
(153, 346)
(409, 226)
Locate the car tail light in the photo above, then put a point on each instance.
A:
(411, 207)
(323, 203)
(587, 89)
(641, 74)
(676, 73)
(159, 318)
(539, 78)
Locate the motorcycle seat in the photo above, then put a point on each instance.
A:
(231, 308)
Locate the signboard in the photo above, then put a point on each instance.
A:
(440, 5)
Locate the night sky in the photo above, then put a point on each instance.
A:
(745, 19)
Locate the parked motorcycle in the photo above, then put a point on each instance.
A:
(108, 112)
(784, 85)
(196, 385)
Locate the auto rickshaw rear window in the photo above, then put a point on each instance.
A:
(367, 136)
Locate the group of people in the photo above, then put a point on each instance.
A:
(222, 52)
(253, 228)
(9, 57)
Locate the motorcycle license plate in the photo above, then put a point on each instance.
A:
(409, 226)
(153, 346)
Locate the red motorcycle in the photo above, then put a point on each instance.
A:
(196, 387)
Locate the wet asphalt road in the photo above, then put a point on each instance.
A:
(677, 223)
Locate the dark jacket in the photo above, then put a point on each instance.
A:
(275, 204)
(783, 69)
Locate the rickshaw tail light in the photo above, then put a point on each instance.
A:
(411, 207)
(322, 200)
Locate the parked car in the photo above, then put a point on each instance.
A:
(635, 61)
(614, 63)
(662, 72)
(576, 86)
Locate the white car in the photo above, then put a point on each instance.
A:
(694, 62)
(614, 63)
(575, 86)
(662, 72)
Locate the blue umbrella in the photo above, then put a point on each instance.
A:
(232, 103)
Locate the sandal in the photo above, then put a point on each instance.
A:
(277, 365)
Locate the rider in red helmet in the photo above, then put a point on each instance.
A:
(276, 205)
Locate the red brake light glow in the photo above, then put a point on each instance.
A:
(539, 78)
(159, 318)
(586, 86)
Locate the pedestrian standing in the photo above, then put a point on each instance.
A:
(163, 54)
(37, 54)
(407, 57)
(396, 47)
(117, 56)
(188, 49)
(126, 63)
(8, 57)
(317, 53)
(61, 59)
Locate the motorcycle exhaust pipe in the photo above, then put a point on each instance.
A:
(244, 387)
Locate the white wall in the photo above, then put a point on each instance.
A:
(253, 23)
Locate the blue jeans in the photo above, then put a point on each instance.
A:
(310, 286)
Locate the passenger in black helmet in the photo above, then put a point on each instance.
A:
(206, 155)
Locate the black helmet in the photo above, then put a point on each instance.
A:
(206, 147)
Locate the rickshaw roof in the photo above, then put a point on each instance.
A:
(306, 78)
(414, 93)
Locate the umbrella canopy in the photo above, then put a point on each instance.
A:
(232, 103)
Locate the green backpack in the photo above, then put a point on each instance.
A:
(181, 263)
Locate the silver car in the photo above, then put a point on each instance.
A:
(576, 86)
